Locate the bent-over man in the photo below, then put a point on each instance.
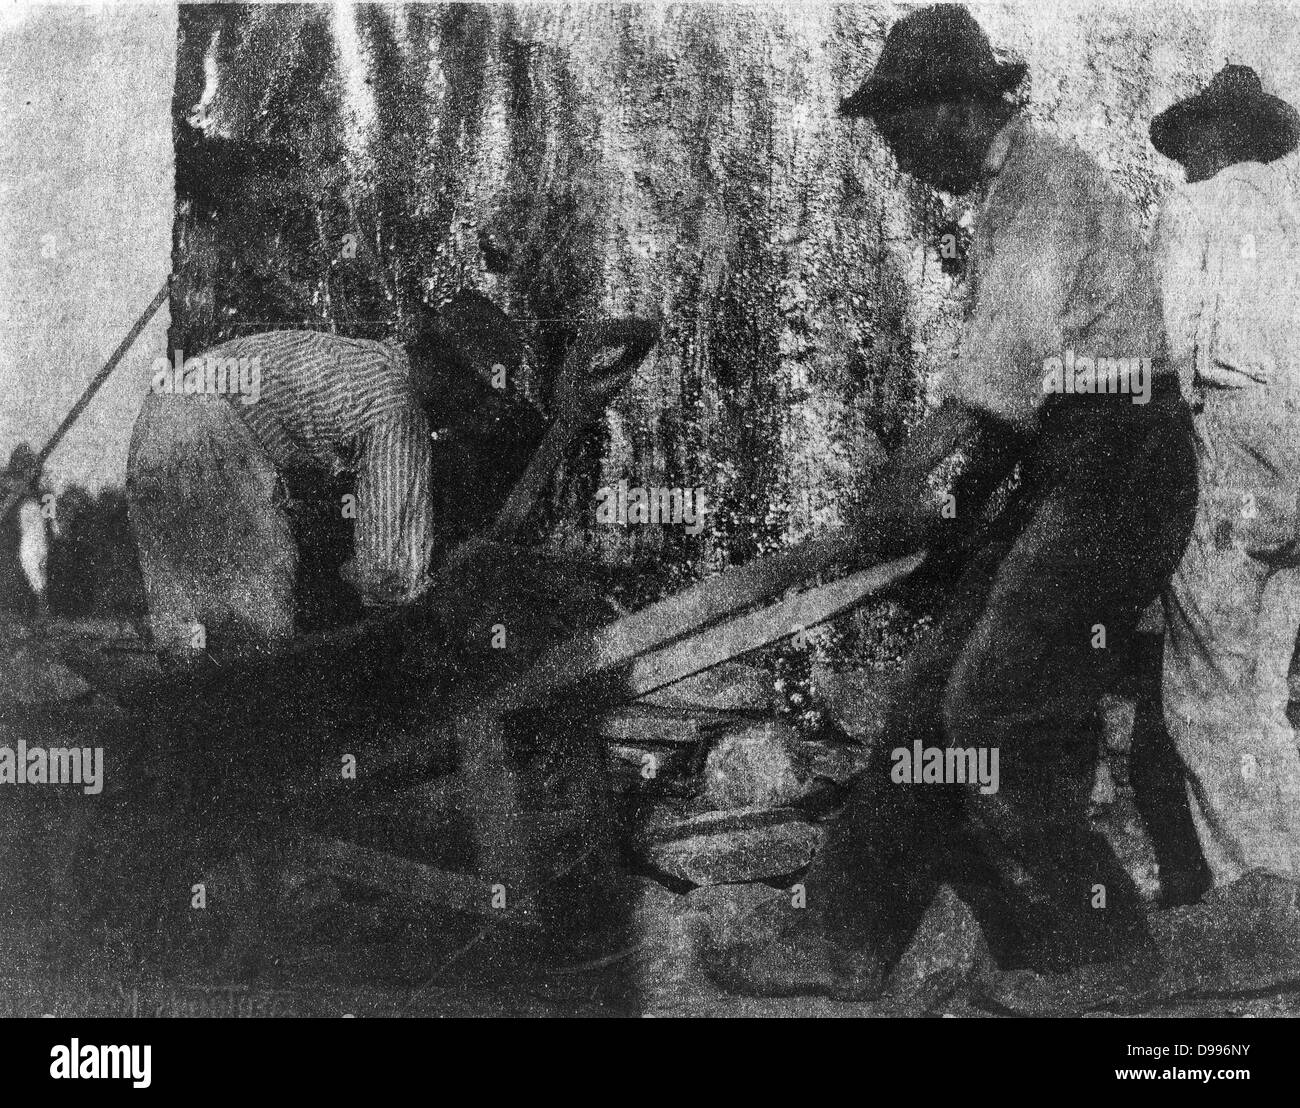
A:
(227, 444)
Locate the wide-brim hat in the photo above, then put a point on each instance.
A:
(930, 54)
(1264, 127)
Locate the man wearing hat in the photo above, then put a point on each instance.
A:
(1047, 595)
(1227, 246)
(229, 451)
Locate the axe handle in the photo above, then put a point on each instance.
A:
(14, 494)
(626, 639)
(655, 659)
(672, 618)
(733, 638)
(542, 466)
(573, 415)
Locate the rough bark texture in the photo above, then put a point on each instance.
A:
(336, 165)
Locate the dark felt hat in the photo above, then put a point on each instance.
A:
(1264, 127)
(479, 330)
(467, 336)
(929, 54)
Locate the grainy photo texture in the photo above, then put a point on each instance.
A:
(743, 509)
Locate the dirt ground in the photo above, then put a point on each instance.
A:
(321, 949)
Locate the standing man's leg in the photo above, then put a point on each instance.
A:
(1118, 503)
(893, 844)
(1159, 790)
(1098, 547)
(1232, 615)
(890, 847)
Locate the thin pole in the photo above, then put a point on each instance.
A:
(15, 494)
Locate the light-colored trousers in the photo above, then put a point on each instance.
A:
(216, 543)
(1232, 613)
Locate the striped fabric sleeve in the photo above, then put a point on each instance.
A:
(393, 540)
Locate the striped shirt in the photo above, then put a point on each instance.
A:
(348, 406)
(1226, 253)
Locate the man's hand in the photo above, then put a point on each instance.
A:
(384, 591)
(936, 482)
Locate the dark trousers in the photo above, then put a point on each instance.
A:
(1014, 663)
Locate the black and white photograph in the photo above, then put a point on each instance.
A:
(700, 509)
